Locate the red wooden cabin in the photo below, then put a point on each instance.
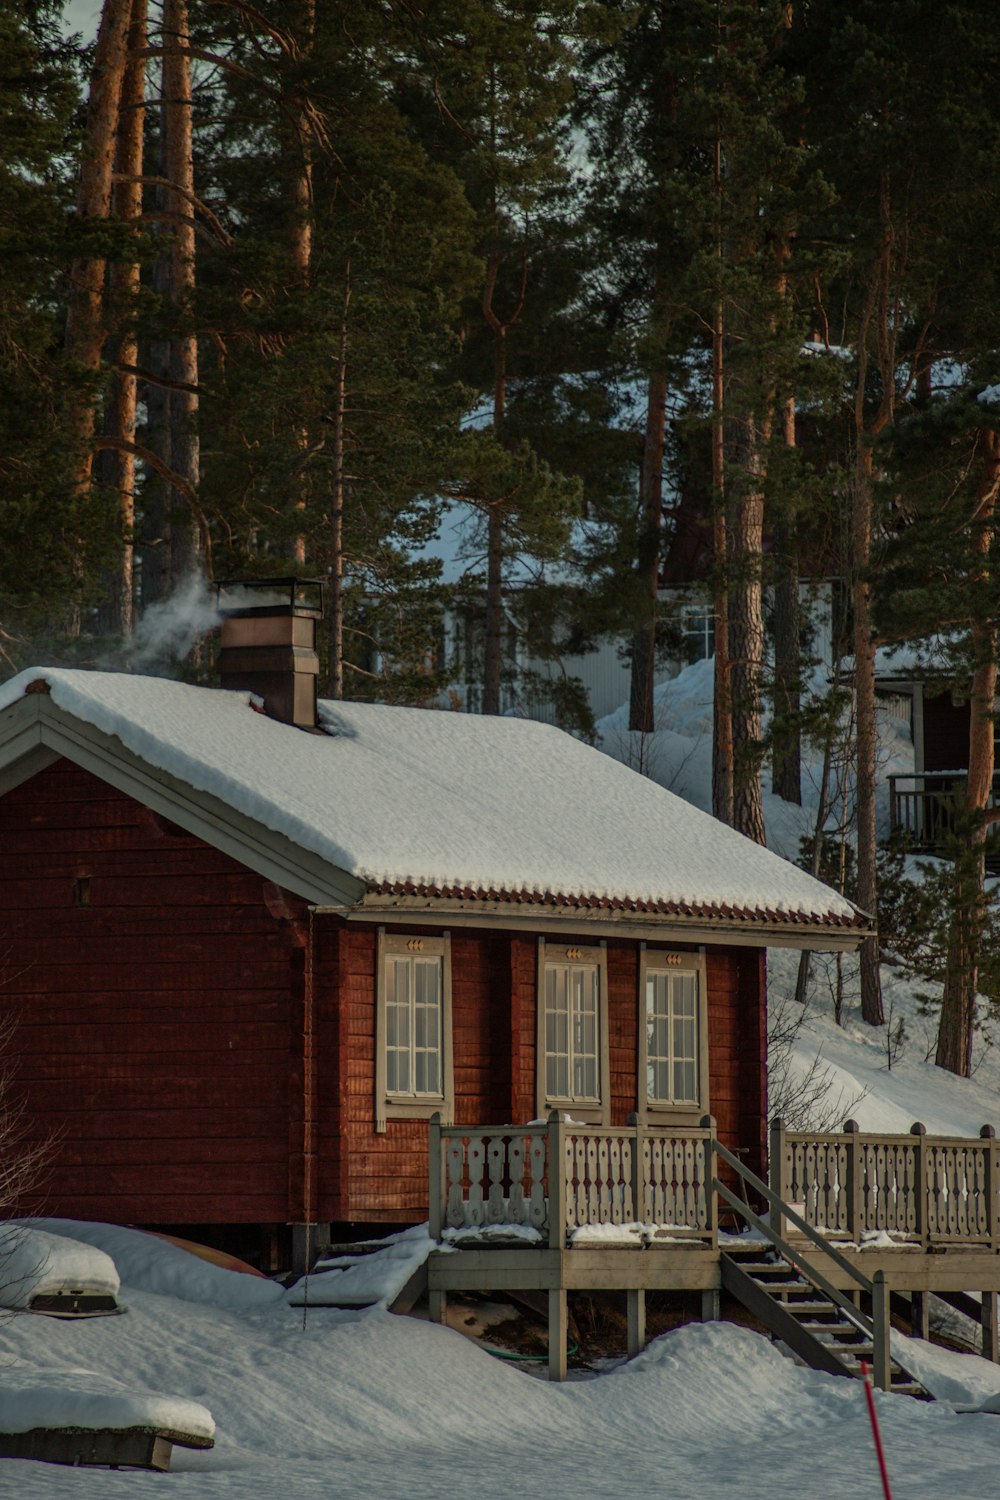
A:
(248, 954)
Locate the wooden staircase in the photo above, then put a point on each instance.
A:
(826, 1335)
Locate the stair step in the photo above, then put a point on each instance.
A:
(807, 1307)
(768, 1268)
(815, 1327)
(856, 1351)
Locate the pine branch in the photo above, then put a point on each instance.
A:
(175, 480)
(164, 182)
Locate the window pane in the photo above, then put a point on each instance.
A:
(683, 1038)
(684, 1080)
(557, 1077)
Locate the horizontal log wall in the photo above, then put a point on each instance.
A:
(385, 1174)
(152, 993)
(160, 998)
(494, 1014)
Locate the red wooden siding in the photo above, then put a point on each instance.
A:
(385, 1174)
(154, 1023)
(162, 992)
(494, 977)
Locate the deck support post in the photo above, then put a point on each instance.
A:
(437, 1305)
(558, 1331)
(919, 1315)
(881, 1359)
(988, 1318)
(636, 1301)
(711, 1305)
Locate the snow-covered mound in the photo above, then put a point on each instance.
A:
(91, 1400)
(384, 1408)
(34, 1263)
(153, 1265)
(678, 754)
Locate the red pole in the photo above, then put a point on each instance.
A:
(880, 1451)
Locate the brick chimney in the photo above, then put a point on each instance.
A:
(269, 643)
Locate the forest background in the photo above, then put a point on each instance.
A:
(280, 282)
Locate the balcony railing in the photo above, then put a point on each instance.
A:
(559, 1177)
(932, 1191)
(922, 807)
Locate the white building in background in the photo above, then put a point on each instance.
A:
(604, 673)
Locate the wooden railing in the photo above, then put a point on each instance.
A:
(922, 806)
(932, 1191)
(917, 1188)
(504, 1175)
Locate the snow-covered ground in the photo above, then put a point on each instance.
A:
(372, 1407)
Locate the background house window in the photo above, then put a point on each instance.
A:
(573, 1053)
(698, 628)
(413, 1063)
(673, 1061)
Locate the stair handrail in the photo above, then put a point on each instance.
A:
(793, 1256)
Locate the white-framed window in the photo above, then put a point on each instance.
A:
(413, 1060)
(673, 1033)
(572, 1031)
(698, 628)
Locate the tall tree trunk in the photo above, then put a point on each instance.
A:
(300, 151)
(877, 310)
(335, 616)
(186, 551)
(746, 630)
(494, 644)
(787, 752)
(117, 614)
(867, 742)
(643, 675)
(958, 1007)
(493, 661)
(722, 718)
(84, 335)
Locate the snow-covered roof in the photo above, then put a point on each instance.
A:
(432, 803)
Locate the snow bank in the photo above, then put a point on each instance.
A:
(856, 1057)
(678, 754)
(384, 1408)
(154, 1265)
(34, 1263)
(87, 1399)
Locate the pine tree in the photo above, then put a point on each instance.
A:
(905, 170)
(329, 421)
(41, 524)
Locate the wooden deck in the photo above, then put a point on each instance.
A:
(858, 1216)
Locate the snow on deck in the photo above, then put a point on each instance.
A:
(405, 796)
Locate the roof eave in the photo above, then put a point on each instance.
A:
(541, 917)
